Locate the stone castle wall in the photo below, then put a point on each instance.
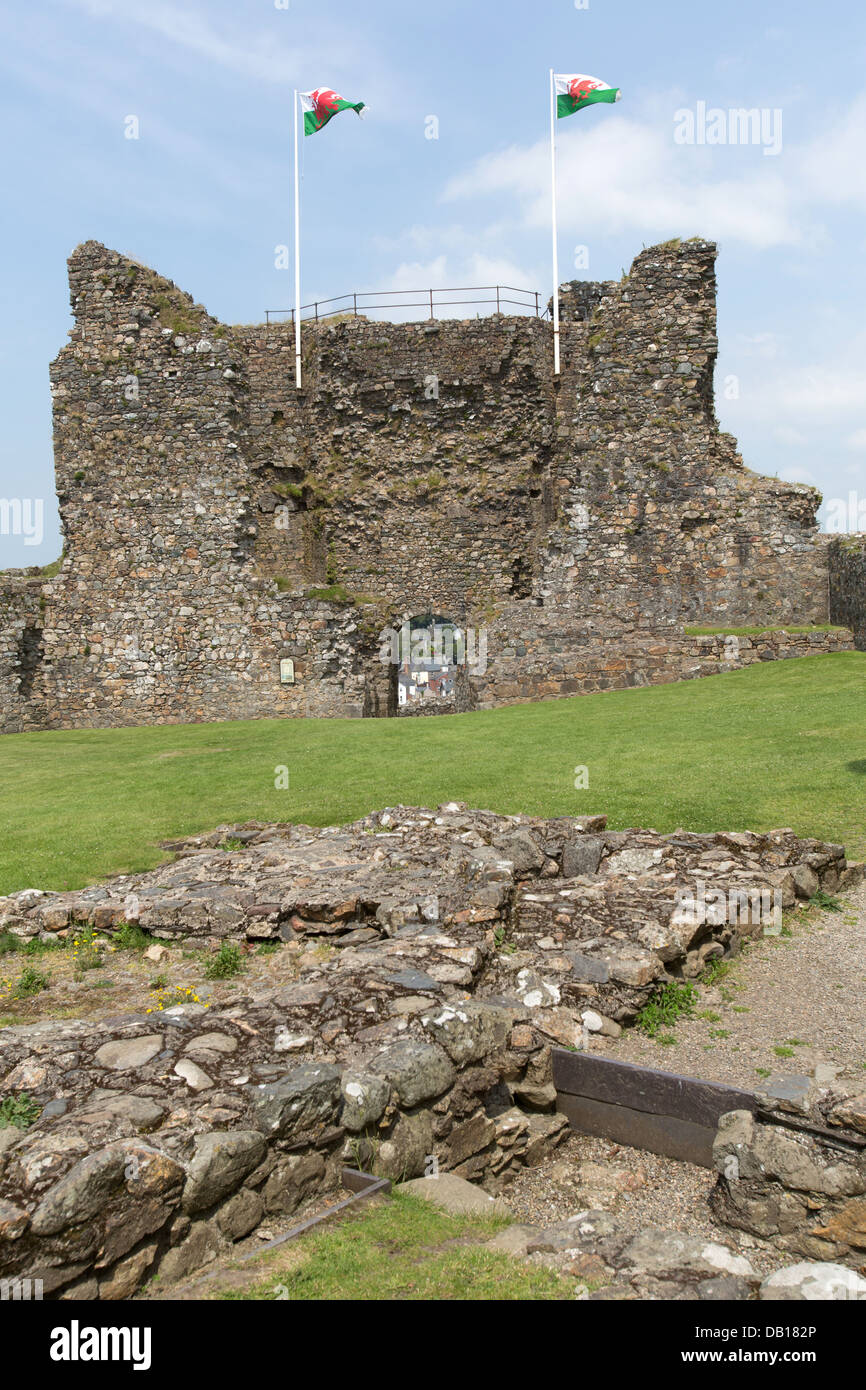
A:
(21, 621)
(217, 520)
(848, 585)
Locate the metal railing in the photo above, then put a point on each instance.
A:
(354, 305)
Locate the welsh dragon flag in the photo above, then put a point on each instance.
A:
(319, 106)
(576, 90)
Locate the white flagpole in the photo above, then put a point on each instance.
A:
(297, 257)
(553, 209)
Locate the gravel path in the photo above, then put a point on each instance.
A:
(645, 1190)
(804, 993)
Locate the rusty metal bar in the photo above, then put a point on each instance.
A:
(832, 1137)
(362, 1186)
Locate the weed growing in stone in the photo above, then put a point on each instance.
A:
(716, 970)
(674, 1002)
(130, 937)
(825, 901)
(10, 944)
(169, 996)
(31, 981)
(225, 964)
(18, 1111)
(85, 954)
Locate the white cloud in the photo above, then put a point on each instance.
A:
(794, 474)
(625, 174)
(857, 441)
(832, 167)
(762, 345)
(267, 49)
(786, 435)
(822, 392)
(459, 269)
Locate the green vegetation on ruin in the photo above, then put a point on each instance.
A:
(779, 743)
(49, 571)
(403, 1250)
(176, 313)
(332, 593)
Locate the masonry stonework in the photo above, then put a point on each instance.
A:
(217, 520)
(428, 960)
(848, 585)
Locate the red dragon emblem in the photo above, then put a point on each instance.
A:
(581, 88)
(324, 103)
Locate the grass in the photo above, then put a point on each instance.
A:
(128, 936)
(826, 901)
(16, 945)
(674, 1002)
(405, 1250)
(225, 963)
(31, 981)
(780, 743)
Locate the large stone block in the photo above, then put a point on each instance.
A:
(305, 1098)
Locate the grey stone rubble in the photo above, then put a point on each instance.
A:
(463, 944)
(614, 1263)
(796, 1178)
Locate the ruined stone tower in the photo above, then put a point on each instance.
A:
(216, 520)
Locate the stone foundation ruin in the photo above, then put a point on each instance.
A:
(796, 1176)
(431, 961)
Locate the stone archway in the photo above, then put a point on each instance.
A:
(429, 666)
(423, 666)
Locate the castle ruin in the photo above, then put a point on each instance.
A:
(221, 527)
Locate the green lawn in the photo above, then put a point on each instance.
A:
(781, 743)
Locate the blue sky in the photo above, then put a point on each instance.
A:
(204, 194)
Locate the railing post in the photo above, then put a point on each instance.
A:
(296, 313)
